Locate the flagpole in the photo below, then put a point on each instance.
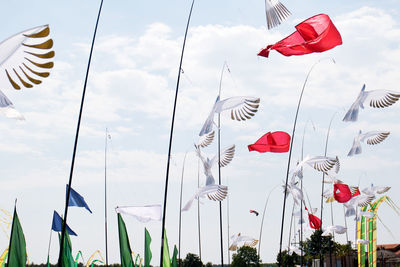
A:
(198, 205)
(323, 183)
(219, 169)
(105, 196)
(12, 229)
(76, 139)
(290, 155)
(170, 137)
(262, 220)
(180, 212)
(227, 219)
(48, 250)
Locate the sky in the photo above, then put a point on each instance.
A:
(130, 92)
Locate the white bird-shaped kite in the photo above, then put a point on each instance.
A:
(241, 107)
(375, 99)
(211, 190)
(357, 201)
(373, 190)
(226, 157)
(367, 214)
(371, 138)
(275, 12)
(319, 163)
(338, 229)
(205, 140)
(241, 240)
(24, 61)
(294, 190)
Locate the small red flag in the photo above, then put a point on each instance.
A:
(341, 193)
(316, 34)
(315, 222)
(277, 142)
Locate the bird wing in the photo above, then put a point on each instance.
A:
(382, 189)
(188, 204)
(339, 229)
(205, 139)
(241, 107)
(275, 13)
(218, 193)
(363, 200)
(324, 164)
(25, 58)
(226, 156)
(382, 98)
(374, 137)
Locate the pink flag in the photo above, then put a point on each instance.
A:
(316, 34)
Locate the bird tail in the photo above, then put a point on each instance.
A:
(352, 114)
(350, 212)
(355, 149)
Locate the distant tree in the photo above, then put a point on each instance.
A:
(287, 260)
(192, 260)
(245, 256)
(209, 264)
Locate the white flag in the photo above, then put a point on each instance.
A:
(142, 213)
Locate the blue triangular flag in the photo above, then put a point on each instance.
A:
(57, 224)
(77, 200)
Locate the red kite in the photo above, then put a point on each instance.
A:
(316, 34)
(277, 142)
(254, 211)
(341, 193)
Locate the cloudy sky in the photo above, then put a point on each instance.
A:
(130, 91)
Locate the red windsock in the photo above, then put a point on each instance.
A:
(316, 34)
(277, 142)
(341, 193)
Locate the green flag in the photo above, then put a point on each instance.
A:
(17, 248)
(174, 262)
(67, 258)
(124, 247)
(147, 251)
(166, 258)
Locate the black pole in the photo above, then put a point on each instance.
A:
(198, 206)
(219, 171)
(76, 140)
(170, 137)
(180, 213)
(105, 196)
(290, 155)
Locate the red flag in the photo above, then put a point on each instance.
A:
(316, 34)
(315, 222)
(341, 193)
(277, 142)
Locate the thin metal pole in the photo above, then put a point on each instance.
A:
(262, 220)
(76, 139)
(345, 224)
(180, 212)
(198, 206)
(219, 170)
(290, 227)
(48, 250)
(227, 218)
(322, 191)
(105, 196)
(170, 139)
(290, 155)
